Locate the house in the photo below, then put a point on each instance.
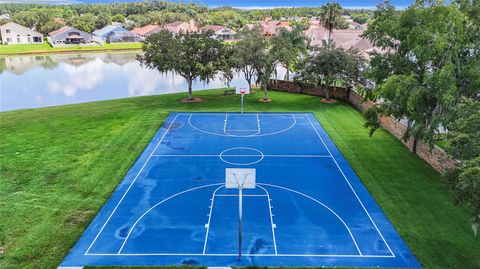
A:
(115, 34)
(5, 17)
(346, 39)
(220, 32)
(271, 28)
(181, 26)
(147, 30)
(13, 33)
(69, 35)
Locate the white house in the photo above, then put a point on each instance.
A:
(220, 32)
(13, 33)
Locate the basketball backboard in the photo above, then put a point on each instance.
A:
(240, 177)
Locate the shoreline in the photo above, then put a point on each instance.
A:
(72, 51)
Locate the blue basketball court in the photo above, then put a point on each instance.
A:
(308, 208)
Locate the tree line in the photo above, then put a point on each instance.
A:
(86, 17)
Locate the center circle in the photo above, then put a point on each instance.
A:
(241, 156)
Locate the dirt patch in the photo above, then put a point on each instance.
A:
(79, 217)
(192, 100)
(264, 100)
(328, 101)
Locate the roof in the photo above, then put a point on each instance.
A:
(145, 29)
(60, 31)
(10, 24)
(107, 29)
(212, 27)
(175, 24)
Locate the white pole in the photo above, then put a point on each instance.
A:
(241, 104)
(240, 222)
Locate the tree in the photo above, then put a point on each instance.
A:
(118, 18)
(328, 66)
(49, 27)
(330, 15)
(430, 62)
(84, 22)
(463, 139)
(289, 46)
(191, 55)
(248, 52)
(265, 67)
(103, 19)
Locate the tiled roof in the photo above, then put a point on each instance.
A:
(145, 29)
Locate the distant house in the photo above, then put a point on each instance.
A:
(271, 28)
(115, 34)
(181, 26)
(5, 16)
(69, 35)
(13, 33)
(361, 26)
(147, 30)
(220, 32)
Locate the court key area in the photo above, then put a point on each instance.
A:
(306, 208)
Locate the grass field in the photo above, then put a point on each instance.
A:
(59, 165)
(46, 48)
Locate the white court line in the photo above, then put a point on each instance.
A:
(224, 123)
(243, 195)
(240, 114)
(131, 184)
(322, 204)
(294, 122)
(242, 155)
(209, 218)
(159, 203)
(348, 182)
(271, 219)
(246, 254)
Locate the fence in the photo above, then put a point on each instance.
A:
(436, 157)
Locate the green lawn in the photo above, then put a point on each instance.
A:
(46, 48)
(59, 165)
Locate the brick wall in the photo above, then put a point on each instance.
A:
(437, 158)
(288, 86)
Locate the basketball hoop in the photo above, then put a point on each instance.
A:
(240, 178)
(242, 92)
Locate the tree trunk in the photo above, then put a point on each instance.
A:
(249, 84)
(287, 74)
(414, 146)
(190, 91)
(327, 92)
(265, 92)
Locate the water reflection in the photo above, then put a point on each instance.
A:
(48, 80)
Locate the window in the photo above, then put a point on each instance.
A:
(7, 31)
(19, 40)
(29, 39)
(9, 40)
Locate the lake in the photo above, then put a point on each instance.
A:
(49, 80)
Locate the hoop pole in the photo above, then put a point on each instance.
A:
(241, 103)
(240, 193)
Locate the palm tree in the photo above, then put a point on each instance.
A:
(289, 46)
(330, 16)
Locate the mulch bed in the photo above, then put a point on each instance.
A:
(192, 100)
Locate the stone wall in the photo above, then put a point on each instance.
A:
(437, 158)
